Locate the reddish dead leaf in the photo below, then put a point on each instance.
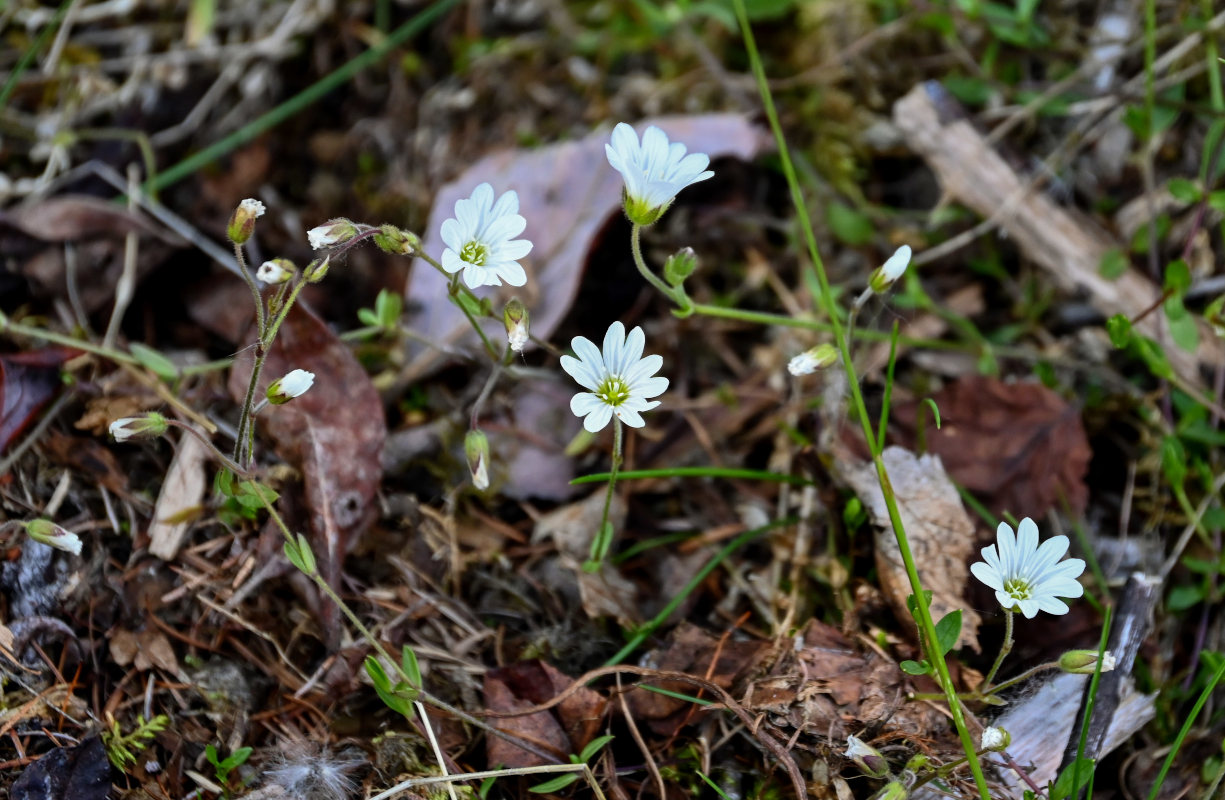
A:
(940, 533)
(28, 381)
(517, 687)
(1019, 446)
(567, 192)
(334, 434)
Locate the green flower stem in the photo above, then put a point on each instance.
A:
(456, 287)
(651, 277)
(21, 329)
(212, 448)
(370, 638)
(603, 537)
(731, 473)
(1005, 649)
(487, 389)
(255, 295)
(926, 624)
(1024, 676)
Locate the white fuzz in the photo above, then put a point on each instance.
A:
(305, 775)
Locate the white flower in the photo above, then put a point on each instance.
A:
(274, 271)
(654, 171)
(52, 535)
(150, 426)
(893, 268)
(517, 337)
(294, 384)
(866, 757)
(1027, 576)
(857, 748)
(811, 360)
(476, 448)
(481, 241)
(122, 429)
(334, 231)
(252, 206)
(619, 378)
(994, 738)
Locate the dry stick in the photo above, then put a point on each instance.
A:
(652, 767)
(767, 741)
(429, 732)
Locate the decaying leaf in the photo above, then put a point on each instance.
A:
(565, 729)
(81, 772)
(1019, 446)
(940, 533)
(605, 593)
(567, 192)
(334, 433)
(182, 491)
(28, 381)
(144, 650)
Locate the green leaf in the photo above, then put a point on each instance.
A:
(850, 226)
(1183, 597)
(1177, 276)
(367, 317)
(935, 410)
(914, 606)
(382, 687)
(1119, 328)
(408, 661)
(1114, 264)
(210, 755)
(1153, 356)
(915, 667)
(948, 629)
(1065, 782)
(1174, 461)
(1184, 330)
(1184, 190)
(387, 307)
(154, 361)
(593, 747)
(560, 782)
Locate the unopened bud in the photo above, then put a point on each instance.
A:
(1214, 315)
(995, 739)
(868, 759)
(516, 318)
(391, 239)
(893, 790)
(476, 448)
(52, 535)
(335, 231)
(150, 426)
(294, 384)
(278, 270)
(317, 270)
(680, 265)
(242, 221)
(891, 270)
(808, 362)
(1084, 662)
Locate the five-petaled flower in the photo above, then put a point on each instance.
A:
(1027, 575)
(481, 241)
(620, 379)
(654, 171)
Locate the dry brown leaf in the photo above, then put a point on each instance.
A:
(940, 533)
(143, 650)
(567, 193)
(511, 689)
(182, 491)
(1019, 446)
(334, 434)
(605, 593)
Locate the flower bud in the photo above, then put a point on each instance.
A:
(812, 360)
(317, 270)
(294, 384)
(391, 239)
(868, 759)
(278, 270)
(1214, 315)
(1084, 662)
(891, 270)
(515, 317)
(336, 231)
(150, 426)
(996, 739)
(893, 790)
(476, 448)
(680, 265)
(242, 221)
(47, 532)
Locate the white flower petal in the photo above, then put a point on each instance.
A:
(618, 376)
(655, 170)
(598, 419)
(1027, 574)
(630, 417)
(483, 229)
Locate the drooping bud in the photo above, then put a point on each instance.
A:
(812, 360)
(150, 426)
(397, 242)
(476, 448)
(515, 317)
(317, 270)
(335, 231)
(278, 270)
(242, 221)
(47, 532)
(294, 384)
(867, 758)
(680, 265)
(1084, 662)
(891, 270)
(995, 739)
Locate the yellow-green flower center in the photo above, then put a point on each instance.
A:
(474, 253)
(1018, 588)
(613, 390)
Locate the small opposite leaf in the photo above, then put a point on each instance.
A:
(156, 363)
(915, 667)
(560, 782)
(948, 631)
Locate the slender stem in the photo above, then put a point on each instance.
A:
(603, 537)
(212, 448)
(21, 329)
(926, 624)
(476, 326)
(251, 284)
(1005, 649)
(1024, 676)
(651, 277)
(487, 389)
